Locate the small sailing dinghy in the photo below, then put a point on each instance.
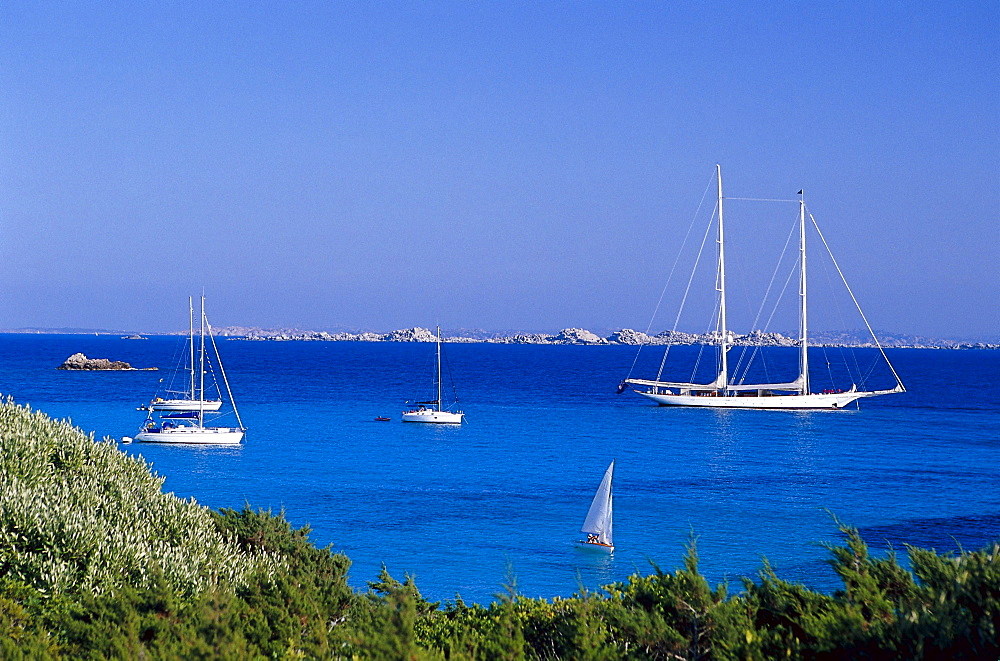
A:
(597, 525)
(190, 425)
(432, 411)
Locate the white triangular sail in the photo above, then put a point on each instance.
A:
(598, 521)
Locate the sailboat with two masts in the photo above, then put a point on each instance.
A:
(432, 411)
(190, 425)
(726, 392)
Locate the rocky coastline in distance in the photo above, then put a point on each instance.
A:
(568, 336)
(579, 336)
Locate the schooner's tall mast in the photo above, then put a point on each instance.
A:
(803, 308)
(723, 379)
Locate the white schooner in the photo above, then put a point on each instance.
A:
(724, 391)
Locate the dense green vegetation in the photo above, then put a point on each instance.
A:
(97, 562)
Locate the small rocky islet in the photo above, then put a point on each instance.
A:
(79, 361)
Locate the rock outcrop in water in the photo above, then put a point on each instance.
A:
(79, 361)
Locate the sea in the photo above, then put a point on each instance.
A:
(495, 505)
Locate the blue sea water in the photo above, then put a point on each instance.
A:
(467, 509)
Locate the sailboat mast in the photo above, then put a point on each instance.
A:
(803, 308)
(439, 366)
(201, 394)
(723, 362)
(191, 342)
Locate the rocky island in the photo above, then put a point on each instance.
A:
(625, 336)
(79, 361)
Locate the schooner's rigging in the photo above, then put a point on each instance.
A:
(725, 391)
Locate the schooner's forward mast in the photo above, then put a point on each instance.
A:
(723, 392)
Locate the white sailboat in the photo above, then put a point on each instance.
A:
(725, 392)
(597, 525)
(186, 425)
(432, 411)
(187, 399)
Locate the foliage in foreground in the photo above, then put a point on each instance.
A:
(82, 517)
(245, 584)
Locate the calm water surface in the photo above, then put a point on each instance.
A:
(455, 506)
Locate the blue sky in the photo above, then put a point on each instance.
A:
(495, 165)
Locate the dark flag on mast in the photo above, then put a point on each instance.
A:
(799, 193)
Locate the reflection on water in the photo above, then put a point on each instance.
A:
(596, 565)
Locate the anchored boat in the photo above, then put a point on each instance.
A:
(183, 396)
(190, 420)
(727, 392)
(431, 410)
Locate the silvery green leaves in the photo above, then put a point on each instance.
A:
(79, 515)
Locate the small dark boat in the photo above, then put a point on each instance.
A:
(382, 419)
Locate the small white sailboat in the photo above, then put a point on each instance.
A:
(183, 404)
(186, 399)
(597, 525)
(725, 391)
(188, 425)
(432, 411)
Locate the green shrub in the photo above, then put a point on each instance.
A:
(78, 516)
(97, 562)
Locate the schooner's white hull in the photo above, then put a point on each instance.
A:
(810, 401)
(427, 415)
(193, 435)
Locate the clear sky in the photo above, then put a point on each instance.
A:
(499, 165)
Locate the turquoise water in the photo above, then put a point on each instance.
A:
(460, 507)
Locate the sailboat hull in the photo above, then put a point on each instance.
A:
(811, 401)
(439, 417)
(184, 405)
(597, 546)
(193, 435)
